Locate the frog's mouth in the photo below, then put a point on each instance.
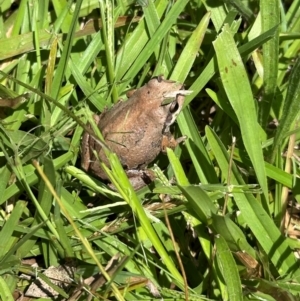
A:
(169, 96)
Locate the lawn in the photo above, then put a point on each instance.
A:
(220, 221)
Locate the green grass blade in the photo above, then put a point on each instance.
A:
(231, 67)
(87, 89)
(260, 223)
(197, 150)
(17, 248)
(272, 171)
(62, 65)
(203, 211)
(190, 50)
(218, 13)
(5, 176)
(20, 18)
(156, 39)
(64, 18)
(229, 270)
(233, 235)
(290, 110)
(45, 200)
(270, 16)
(8, 228)
(211, 68)
(31, 178)
(24, 43)
(177, 168)
(107, 29)
(135, 44)
(5, 292)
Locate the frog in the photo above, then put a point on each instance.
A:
(137, 130)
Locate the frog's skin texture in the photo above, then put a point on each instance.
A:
(137, 130)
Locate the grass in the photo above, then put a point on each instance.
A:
(235, 236)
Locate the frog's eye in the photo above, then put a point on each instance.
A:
(160, 78)
(174, 106)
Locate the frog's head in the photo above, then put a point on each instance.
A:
(169, 95)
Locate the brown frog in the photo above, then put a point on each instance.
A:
(137, 130)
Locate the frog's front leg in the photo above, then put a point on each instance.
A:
(170, 142)
(140, 178)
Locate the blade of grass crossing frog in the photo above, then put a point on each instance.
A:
(260, 223)
(240, 96)
(190, 51)
(7, 93)
(9, 99)
(228, 268)
(92, 183)
(119, 178)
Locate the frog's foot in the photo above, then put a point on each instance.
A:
(138, 178)
(171, 142)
